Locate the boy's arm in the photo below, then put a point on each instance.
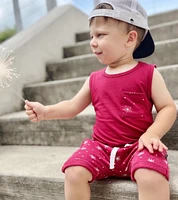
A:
(165, 118)
(63, 110)
(70, 108)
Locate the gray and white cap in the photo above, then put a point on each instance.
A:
(131, 12)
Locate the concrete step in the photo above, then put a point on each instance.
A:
(83, 65)
(82, 36)
(170, 76)
(54, 91)
(165, 31)
(33, 173)
(73, 67)
(165, 52)
(160, 32)
(163, 17)
(16, 129)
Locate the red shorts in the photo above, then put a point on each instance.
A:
(104, 161)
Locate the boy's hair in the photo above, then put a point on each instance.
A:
(128, 27)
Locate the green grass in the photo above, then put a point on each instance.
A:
(4, 35)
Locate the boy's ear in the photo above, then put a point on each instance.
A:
(132, 38)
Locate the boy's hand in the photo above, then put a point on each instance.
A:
(151, 142)
(35, 111)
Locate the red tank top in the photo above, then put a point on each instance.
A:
(122, 103)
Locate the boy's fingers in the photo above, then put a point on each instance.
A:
(149, 147)
(140, 146)
(155, 144)
(34, 120)
(29, 112)
(162, 147)
(33, 116)
(30, 104)
(27, 107)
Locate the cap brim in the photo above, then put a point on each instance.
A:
(146, 47)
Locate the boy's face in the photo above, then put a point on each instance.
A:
(108, 39)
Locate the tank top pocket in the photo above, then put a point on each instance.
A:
(133, 104)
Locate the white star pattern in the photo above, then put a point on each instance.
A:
(127, 109)
(117, 158)
(150, 160)
(97, 169)
(83, 148)
(93, 157)
(99, 148)
(141, 153)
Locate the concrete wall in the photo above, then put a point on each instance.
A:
(38, 45)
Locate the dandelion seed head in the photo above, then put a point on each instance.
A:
(7, 71)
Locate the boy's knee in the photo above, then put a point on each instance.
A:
(146, 177)
(77, 174)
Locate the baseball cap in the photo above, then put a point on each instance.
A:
(131, 12)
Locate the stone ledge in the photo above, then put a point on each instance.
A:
(33, 173)
(16, 129)
(55, 91)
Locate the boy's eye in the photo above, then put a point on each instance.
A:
(100, 34)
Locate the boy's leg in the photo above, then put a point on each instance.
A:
(76, 183)
(151, 185)
(151, 172)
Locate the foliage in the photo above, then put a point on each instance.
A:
(4, 35)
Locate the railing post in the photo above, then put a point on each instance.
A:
(18, 19)
(51, 4)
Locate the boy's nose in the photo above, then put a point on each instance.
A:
(93, 43)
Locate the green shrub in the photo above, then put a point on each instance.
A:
(4, 35)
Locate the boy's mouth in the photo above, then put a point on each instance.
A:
(97, 53)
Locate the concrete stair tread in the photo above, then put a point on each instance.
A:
(175, 22)
(16, 129)
(35, 164)
(166, 41)
(158, 57)
(48, 83)
(56, 90)
(163, 17)
(91, 55)
(84, 77)
(68, 67)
